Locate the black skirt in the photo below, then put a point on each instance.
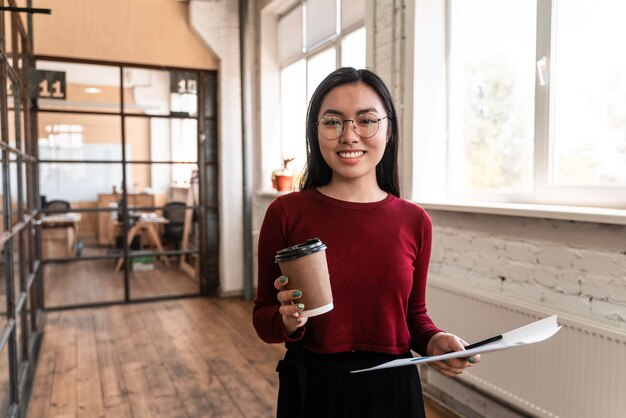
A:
(321, 386)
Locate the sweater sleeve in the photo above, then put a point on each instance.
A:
(266, 319)
(420, 325)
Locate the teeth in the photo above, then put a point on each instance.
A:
(351, 154)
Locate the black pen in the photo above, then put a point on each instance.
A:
(474, 345)
(483, 342)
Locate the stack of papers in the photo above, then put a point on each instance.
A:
(528, 334)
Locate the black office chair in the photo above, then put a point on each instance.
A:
(60, 206)
(174, 212)
(57, 206)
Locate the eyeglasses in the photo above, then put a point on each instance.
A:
(365, 125)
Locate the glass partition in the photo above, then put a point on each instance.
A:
(76, 86)
(19, 305)
(5, 397)
(79, 137)
(78, 182)
(82, 282)
(119, 180)
(160, 92)
(161, 139)
(14, 191)
(3, 289)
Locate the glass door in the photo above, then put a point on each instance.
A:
(122, 191)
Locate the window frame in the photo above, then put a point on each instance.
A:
(270, 117)
(429, 106)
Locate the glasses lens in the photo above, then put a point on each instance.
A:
(330, 127)
(366, 125)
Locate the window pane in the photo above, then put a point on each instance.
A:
(87, 87)
(589, 83)
(183, 93)
(78, 182)
(293, 102)
(319, 66)
(146, 91)
(491, 108)
(5, 389)
(321, 21)
(160, 139)
(352, 12)
(4, 266)
(15, 214)
(353, 49)
(2, 214)
(289, 35)
(21, 328)
(64, 136)
(16, 122)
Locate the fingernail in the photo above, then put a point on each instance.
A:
(446, 361)
(472, 360)
(297, 294)
(300, 306)
(283, 279)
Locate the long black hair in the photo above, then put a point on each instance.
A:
(317, 172)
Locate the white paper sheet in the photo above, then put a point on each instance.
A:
(528, 334)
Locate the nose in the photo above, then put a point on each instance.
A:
(349, 132)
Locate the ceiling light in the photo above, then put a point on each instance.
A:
(93, 90)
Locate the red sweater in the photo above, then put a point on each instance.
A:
(378, 255)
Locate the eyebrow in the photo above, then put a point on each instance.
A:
(339, 113)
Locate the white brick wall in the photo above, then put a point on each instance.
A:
(572, 270)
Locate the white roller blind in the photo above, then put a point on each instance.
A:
(352, 13)
(321, 20)
(290, 36)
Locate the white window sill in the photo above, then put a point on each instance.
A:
(566, 213)
(270, 193)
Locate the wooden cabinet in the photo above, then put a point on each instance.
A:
(106, 220)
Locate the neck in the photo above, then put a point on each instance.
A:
(359, 192)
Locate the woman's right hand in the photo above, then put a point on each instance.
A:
(290, 308)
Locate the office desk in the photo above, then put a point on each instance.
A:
(148, 223)
(60, 234)
(106, 223)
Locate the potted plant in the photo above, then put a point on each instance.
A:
(282, 179)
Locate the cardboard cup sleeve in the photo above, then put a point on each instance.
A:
(306, 267)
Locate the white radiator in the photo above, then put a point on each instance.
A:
(579, 372)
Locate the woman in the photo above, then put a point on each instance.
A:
(378, 254)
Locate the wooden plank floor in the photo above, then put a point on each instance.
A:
(186, 358)
(94, 281)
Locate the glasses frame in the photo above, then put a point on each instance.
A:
(343, 125)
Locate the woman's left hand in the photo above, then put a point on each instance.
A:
(442, 343)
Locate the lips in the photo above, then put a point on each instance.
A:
(351, 154)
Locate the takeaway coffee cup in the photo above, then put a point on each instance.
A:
(305, 266)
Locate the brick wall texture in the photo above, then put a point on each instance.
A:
(577, 267)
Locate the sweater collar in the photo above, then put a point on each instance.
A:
(350, 205)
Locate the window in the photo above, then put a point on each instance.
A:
(313, 38)
(536, 102)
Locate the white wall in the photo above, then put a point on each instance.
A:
(217, 23)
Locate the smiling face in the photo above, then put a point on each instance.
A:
(351, 157)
